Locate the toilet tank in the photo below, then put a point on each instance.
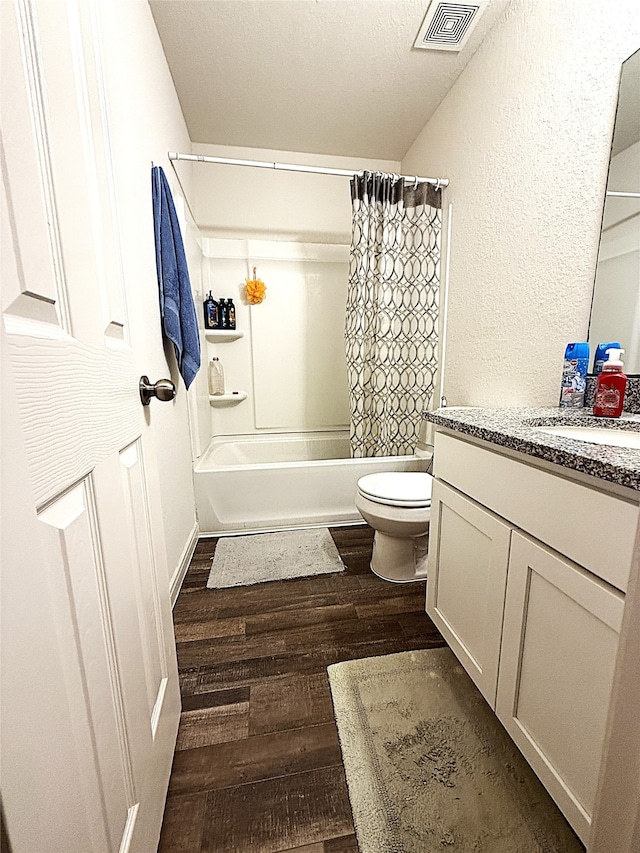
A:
(423, 449)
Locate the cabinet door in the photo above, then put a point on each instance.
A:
(559, 645)
(467, 571)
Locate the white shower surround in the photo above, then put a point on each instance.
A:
(250, 483)
(298, 473)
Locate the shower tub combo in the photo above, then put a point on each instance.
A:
(249, 483)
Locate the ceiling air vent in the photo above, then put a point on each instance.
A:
(447, 26)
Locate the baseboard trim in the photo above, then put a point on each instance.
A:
(183, 565)
(249, 531)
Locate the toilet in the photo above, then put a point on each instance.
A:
(398, 506)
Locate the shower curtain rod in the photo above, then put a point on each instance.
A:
(293, 167)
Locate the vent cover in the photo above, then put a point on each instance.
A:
(447, 26)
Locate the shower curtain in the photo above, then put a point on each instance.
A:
(391, 330)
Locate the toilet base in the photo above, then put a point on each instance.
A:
(400, 560)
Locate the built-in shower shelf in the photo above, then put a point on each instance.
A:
(219, 335)
(227, 399)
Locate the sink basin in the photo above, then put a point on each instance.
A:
(595, 435)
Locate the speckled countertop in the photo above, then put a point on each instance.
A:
(515, 429)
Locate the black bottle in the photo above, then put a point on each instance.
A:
(223, 315)
(231, 314)
(211, 313)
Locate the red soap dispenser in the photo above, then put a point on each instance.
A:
(612, 383)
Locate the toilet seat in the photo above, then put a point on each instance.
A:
(398, 488)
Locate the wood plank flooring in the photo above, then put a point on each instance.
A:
(258, 767)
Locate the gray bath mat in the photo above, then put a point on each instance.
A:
(429, 767)
(244, 560)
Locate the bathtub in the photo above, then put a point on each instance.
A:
(247, 483)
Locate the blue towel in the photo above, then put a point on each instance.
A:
(179, 319)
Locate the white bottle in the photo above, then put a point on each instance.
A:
(216, 377)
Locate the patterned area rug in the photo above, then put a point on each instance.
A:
(261, 557)
(430, 768)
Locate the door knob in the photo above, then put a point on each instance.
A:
(164, 390)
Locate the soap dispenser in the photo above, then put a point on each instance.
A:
(211, 319)
(601, 355)
(612, 384)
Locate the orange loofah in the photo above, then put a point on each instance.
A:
(255, 290)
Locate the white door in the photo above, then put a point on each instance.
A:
(90, 698)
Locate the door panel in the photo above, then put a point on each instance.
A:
(153, 641)
(41, 761)
(77, 138)
(32, 265)
(77, 402)
(85, 632)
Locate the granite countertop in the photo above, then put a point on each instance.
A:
(514, 429)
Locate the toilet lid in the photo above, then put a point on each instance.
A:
(398, 488)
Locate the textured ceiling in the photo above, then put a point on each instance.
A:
(318, 76)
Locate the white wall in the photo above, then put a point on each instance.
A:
(292, 226)
(236, 201)
(291, 360)
(524, 136)
(146, 122)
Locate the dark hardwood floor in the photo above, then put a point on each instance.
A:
(258, 767)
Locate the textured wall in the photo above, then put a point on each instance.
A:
(524, 136)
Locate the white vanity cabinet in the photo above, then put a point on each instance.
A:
(526, 578)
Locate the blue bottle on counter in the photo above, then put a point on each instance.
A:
(601, 355)
(574, 375)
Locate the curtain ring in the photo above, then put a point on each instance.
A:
(415, 182)
(437, 184)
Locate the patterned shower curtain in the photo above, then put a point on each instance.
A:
(391, 331)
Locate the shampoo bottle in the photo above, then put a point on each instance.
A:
(574, 375)
(224, 315)
(231, 314)
(211, 316)
(612, 383)
(216, 377)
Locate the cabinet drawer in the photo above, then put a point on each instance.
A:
(594, 529)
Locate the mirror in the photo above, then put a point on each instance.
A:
(615, 308)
